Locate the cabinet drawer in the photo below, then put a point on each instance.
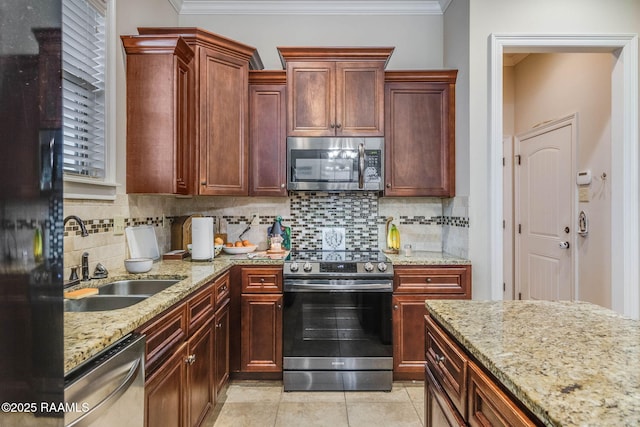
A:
(448, 364)
(489, 405)
(163, 334)
(200, 308)
(261, 280)
(437, 282)
(221, 289)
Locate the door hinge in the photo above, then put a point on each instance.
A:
(504, 287)
(518, 157)
(519, 228)
(504, 224)
(504, 162)
(519, 295)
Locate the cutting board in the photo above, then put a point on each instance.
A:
(142, 242)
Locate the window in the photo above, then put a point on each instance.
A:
(87, 156)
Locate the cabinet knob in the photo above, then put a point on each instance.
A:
(428, 279)
(439, 359)
(388, 185)
(279, 306)
(395, 306)
(190, 359)
(332, 126)
(282, 185)
(203, 182)
(219, 325)
(262, 280)
(338, 125)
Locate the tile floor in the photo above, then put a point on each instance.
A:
(264, 403)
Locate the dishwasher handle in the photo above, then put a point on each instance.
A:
(86, 419)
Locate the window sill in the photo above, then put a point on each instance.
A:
(88, 189)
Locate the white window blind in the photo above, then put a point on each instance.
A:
(83, 87)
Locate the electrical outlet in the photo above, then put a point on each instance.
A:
(256, 219)
(118, 225)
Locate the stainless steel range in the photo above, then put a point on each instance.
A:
(337, 321)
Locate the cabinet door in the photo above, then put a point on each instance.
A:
(267, 140)
(311, 98)
(408, 337)
(490, 406)
(200, 375)
(438, 410)
(164, 392)
(261, 333)
(420, 143)
(159, 115)
(359, 98)
(221, 371)
(223, 122)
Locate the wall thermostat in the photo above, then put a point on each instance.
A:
(584, 177)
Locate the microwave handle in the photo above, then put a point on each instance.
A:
(361, 166)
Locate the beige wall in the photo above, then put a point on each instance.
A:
(518, 16)
(417, 39)
(544, 87)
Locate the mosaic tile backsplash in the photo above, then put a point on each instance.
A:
(423, 222)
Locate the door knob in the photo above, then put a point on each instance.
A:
(564, 245)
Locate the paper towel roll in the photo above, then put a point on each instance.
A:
(202, 239)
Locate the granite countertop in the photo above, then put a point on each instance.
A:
(570, 363)
(426, 258)
(87, 333)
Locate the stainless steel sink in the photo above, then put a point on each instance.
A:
(136, 287)
(102, 302)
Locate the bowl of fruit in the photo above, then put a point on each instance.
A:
(239, 247)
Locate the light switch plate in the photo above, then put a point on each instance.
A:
(118, 225)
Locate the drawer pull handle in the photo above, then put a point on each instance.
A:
(439, 359)
(190, 359)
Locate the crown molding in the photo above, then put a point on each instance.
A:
(308, 7)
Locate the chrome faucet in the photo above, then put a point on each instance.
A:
(83, 228)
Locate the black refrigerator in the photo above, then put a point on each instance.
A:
(31, 209)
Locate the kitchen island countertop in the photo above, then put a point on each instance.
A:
(570, 363)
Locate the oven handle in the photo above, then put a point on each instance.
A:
(305, 286)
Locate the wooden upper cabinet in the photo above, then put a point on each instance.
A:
(159, 105)
(267, 133)
(215, 110)
(420, 133)
(335, 91)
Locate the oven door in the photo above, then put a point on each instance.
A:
(335, 340)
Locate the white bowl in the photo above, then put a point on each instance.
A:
(233, 250)
(138, 265)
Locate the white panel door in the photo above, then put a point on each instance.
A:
(544, 209)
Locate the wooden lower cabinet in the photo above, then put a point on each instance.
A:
(438, 410)
(164, 392)
(187, 356)
(412, 286)
(221, 371)
(261, 333)
(458, 392)
(200, 368)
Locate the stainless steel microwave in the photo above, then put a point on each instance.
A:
(335, 164)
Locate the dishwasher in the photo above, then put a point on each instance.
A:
(108, 390)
